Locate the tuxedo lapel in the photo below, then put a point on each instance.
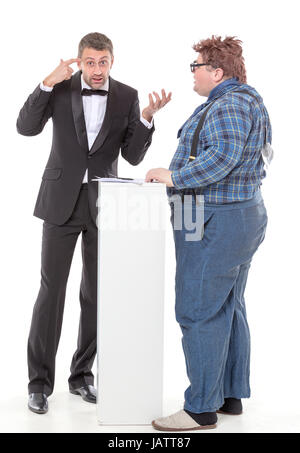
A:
(77, 109)
(111, 108)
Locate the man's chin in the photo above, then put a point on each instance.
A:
(199, 91)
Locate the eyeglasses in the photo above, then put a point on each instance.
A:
(195, 65)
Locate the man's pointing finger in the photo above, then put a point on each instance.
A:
(72, 60)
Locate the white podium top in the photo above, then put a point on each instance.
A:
(130, 183)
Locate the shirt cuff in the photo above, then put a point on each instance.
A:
(177, 180)
(45, 88)
(146, 123)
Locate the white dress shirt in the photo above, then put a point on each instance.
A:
(94, 108)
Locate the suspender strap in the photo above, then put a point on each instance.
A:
(197, 132)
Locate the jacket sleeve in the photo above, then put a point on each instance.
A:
(35, 112)
(138, 137)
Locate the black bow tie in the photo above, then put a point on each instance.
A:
(89, 92)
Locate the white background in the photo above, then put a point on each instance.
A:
(153, 48)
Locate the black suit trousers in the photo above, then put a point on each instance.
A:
(58, 244)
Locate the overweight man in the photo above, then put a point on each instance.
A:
(94, 118)
(218, 166)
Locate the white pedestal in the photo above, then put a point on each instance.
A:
(131, 259)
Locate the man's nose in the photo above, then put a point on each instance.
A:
(98, 69)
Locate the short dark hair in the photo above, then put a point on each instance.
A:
(97, 41)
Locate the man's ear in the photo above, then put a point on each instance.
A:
(112, 61)
(219, 75)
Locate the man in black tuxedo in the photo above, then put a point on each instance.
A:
(94, 117)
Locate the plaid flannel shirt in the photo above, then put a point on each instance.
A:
(229, 166)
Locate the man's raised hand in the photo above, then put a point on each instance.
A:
(62, 72)
(156, 105)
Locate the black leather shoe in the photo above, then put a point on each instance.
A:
(38, 403)
(231, 406)
(87, 392)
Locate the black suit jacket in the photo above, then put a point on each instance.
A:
(70, 156)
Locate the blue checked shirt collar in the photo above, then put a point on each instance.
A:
(222, 88)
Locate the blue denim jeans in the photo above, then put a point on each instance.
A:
(211, 276)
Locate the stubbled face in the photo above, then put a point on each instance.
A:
(95, 66)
